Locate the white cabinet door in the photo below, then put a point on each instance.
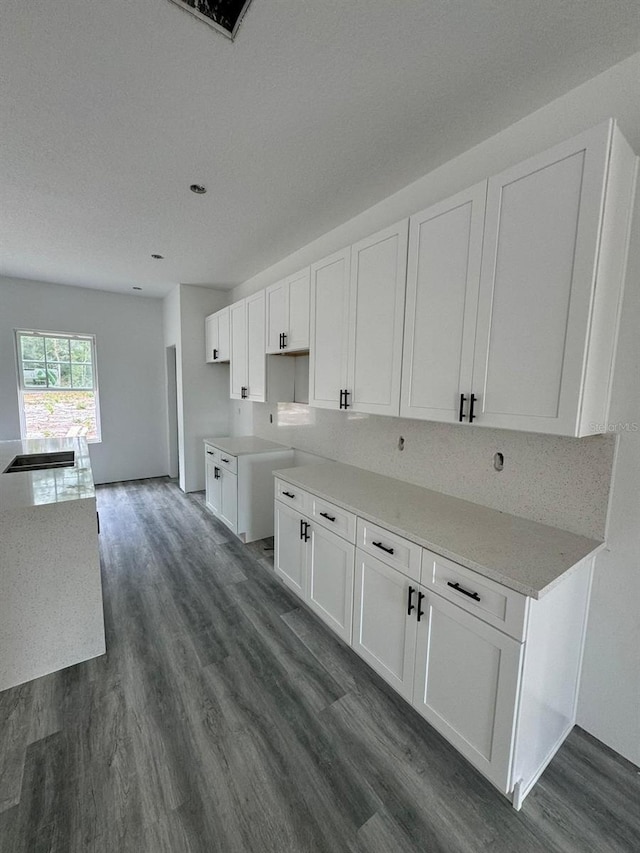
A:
(211, 338)
(229, 499)
(384, 632)
(276, 321)
(443, 277)
(466, 684)
(217, 336)
(539, 261)
(224, 350)
(298, 311)
(256, 359)
(212, 483)
(290, 548)
(330, 579)
(329, 330)
(376, 309)
(238, 327)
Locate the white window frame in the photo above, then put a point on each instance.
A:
(22, 388)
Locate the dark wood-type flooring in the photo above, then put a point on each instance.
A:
(225, 717)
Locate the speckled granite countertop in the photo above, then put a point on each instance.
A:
(526, 556)
(244, 444)
(55, 485)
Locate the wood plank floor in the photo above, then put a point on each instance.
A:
(225, 717)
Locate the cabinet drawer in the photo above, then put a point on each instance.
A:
(498, 605)
(332, 517)
(390, 548)
(230, 463)
(211, 453)
(291, 495)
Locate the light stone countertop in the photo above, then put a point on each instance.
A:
(244, 444)
(524, 555)
(54, 485)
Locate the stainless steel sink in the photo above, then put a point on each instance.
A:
(41, 461)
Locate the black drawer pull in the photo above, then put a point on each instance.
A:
(222, 459)
(383, 547)
(304, 530)
(211, 453)
(216, 473)
(288, 494)
(410, 605)
(327, 516)
(458, 588)
(420, 600)
(215, 354)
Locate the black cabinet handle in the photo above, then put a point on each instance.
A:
(283, 340)
(243, 392)
(304, 530)
(215, 354)
(383, 547)
(410, 605)
(463, 400)
(341, 406)
(327, 516)
(472, 400)
(216, 473)
(458, 588)
(420, 600)
(210, 453)
(346, 394)
(288, 494)
(222, 459)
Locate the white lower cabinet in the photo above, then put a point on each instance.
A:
(229, 499)
(238, 488)
(290, 548)
(466, 684)
(317, 565)
(382, 633)
(330, 579)
(494, 671)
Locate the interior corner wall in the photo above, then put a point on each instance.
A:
(128, 332)
(609, 702)
(205, 387)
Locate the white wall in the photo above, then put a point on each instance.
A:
(611, 681)
(610, 692)
(130, 362)
(202, 389)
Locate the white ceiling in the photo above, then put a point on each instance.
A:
(111, 109)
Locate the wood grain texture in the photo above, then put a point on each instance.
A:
(225, 717)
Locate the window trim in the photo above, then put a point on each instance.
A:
(22, 388)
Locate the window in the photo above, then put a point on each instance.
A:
(57, 385)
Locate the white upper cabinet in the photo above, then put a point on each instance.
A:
(256, 363)
(443, 277)
(248, 366)
(217, 337)
(376, 317)
(275, 316)
(329, 335)
(287, 314)
(357, 314)
(512, 307)
(552, 272)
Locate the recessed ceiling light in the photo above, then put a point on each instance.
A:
(158, 257)
(136, 288)
(198, 189)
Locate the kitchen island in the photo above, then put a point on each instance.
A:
(51, 613)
